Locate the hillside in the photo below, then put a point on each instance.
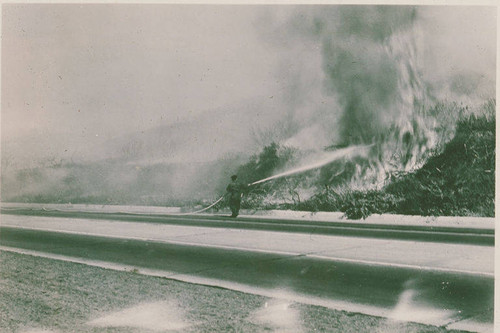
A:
(168, 164)
(458, 179)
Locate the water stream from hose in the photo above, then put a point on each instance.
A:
(324, 159)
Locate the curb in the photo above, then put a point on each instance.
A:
(458, 222)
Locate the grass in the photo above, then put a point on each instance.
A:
(44, 294)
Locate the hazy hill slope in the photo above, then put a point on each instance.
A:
(167, 164)
(459, 181)
(206, 137)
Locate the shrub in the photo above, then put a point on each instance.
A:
(459, 181)
(263, 165)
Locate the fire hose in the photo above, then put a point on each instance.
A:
(326, 158)
(217, 201)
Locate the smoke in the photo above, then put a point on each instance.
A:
(371, 74)
(369, 58)
(356, 72)
(308, 77)
(459, 53)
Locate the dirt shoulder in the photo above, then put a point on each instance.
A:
(44, 295)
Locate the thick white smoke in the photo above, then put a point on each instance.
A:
(370, 74)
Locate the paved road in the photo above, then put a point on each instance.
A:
(425, 233)
(439, 283)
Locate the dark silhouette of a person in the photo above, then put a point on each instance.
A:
(235, 190)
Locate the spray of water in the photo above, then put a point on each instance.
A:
(322, 160)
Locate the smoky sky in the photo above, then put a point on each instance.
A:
(370, 69)
(107, 69)
(75, 77)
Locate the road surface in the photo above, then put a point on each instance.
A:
(445, 283)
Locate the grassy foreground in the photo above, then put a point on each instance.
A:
(44, 295)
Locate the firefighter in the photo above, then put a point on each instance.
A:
(235, 190)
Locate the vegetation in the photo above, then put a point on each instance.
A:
(460, 181)
(457, 180)
(45, 295)
(355, 204)
(263, 165)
